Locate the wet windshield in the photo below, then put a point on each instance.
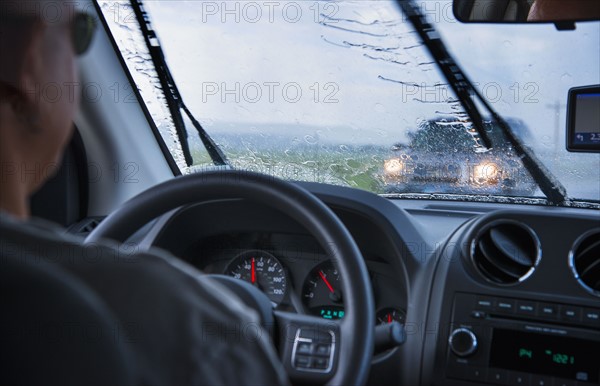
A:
(344, 92)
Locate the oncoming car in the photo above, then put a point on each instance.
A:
(442, 157)
(390, 192)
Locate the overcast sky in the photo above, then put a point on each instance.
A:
(273, 50)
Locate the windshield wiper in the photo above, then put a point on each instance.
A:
(463, 88)
(174, 100)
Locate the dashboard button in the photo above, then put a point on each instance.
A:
(549, 311)
(571, 313)
(484, 304)
(478, 314)
(591, 317)
(505, 306)
(519, 379)
(541, 380)
(475, 374)
(526, 308)
(497, 377)
(463, 342)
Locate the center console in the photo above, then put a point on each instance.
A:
(512, 341)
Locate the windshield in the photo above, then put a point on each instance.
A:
(344, 92)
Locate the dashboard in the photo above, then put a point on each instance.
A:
(294, 272)
(487, 293)
(268, 249)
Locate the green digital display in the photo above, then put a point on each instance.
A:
(524, 353)
(559, 356)
(563, 359)
(329, 312)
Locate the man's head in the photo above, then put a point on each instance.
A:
(39, 91)
(552, 10)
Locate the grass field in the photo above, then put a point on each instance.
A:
(359, 167)
(362, 166)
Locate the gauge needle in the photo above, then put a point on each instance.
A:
(326, 281)
(389, 316)
(253, 272)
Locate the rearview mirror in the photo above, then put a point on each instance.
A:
(561, 12)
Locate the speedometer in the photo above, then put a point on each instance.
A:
(262, 270)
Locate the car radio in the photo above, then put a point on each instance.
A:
(506, 341)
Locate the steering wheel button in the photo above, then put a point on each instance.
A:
(320, 363)
(303, 348)
(316, 336)
(307, 333)
(302, 361)
(323, 349)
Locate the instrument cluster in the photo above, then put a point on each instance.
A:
(308, 286)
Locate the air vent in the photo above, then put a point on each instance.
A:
(506, 252)
(584, 260)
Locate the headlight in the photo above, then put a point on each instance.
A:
(394, 166)
(486, 173)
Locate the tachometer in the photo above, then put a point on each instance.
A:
(322, 294)
(262, 270)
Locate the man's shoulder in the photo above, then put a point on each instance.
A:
(40, 242)
(129, 279)
(170, 313)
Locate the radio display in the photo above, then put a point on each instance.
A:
(558, 356)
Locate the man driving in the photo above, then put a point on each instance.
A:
(94, 314)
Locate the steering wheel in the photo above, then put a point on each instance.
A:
(347, 344)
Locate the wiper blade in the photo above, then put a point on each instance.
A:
(452, 72)
(548, 183)
(463, 88)
(174, 100)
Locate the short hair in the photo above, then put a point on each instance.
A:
(16, 21)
